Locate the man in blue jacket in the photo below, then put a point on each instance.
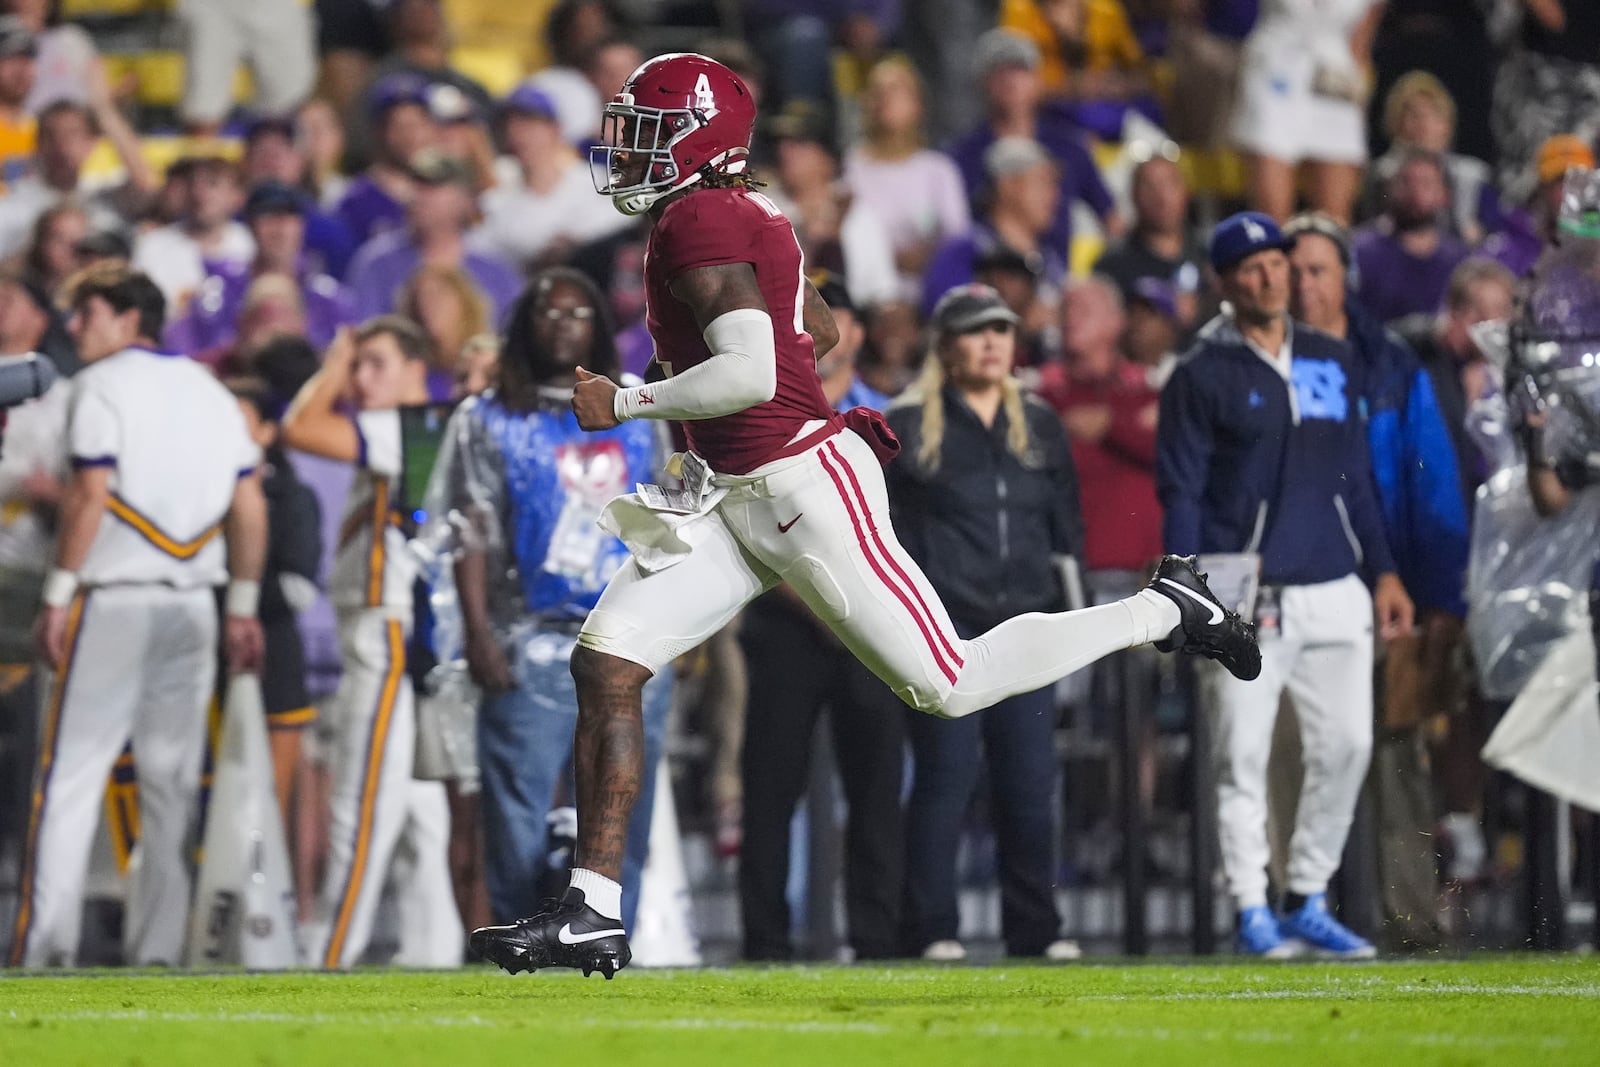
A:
(1262, 449)
(1425, 518)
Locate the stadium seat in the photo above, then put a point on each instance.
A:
(160, 77)
(495, 24)
(496, 69)
(159, 152)
(90, 9)
(1218, 173)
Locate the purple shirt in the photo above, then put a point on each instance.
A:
(212, 321)
(367, 211)
(1063, 139)
(1394, 283)
(384, 264)
(956, 261)
(1516, 245)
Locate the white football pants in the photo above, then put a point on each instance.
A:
(375, 804)
(820, 522)
(140, 661)
(1323, 654)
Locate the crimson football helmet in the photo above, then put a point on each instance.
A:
(677, 118)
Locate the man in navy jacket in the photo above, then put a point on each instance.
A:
(1425, 518)
(1262, 448)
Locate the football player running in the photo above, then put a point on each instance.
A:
(779, 489)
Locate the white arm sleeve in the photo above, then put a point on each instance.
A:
(741, 373)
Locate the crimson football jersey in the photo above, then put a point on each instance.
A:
(705, 228)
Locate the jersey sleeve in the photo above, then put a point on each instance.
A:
(94, 428)
(379, 433)
(708, 231)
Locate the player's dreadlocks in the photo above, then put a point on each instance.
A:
(711, 178)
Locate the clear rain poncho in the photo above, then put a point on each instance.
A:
(521, 486)
(1529, 576)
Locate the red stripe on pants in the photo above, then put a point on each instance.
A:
(883, 575)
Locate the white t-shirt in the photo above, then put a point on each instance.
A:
(173, 260)
(177, 445)
(520, 224)
(36, 436)
(28, 198)
(372, 566)
(918, 198)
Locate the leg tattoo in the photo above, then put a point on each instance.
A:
(607, 756)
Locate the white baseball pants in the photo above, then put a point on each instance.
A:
(377, 806)
(140, 661)
(820, 522)
(1323, 655)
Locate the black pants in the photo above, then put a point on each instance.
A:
(1016, 738)
(796, 671)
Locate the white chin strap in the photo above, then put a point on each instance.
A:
(638, 201)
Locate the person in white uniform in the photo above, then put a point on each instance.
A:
(160, 510)
(1302, 99)
(382, 367)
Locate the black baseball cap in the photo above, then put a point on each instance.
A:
(269, 126)
(104, 244)
(967, 307)
(274, 198)
(1004, 258)
(831, 287)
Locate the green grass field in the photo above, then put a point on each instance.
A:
(1509, 1012)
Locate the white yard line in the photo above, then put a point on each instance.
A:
(946, 1030)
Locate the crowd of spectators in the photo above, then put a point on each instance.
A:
(1067, 153)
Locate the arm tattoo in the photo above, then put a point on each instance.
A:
(714, 291)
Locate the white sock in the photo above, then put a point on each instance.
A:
(1031, 651)
(599, 892)
(1157, 616)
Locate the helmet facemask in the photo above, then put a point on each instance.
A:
(635, 163)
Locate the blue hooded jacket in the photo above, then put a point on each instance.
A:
(1247, 460)
(1414, 466)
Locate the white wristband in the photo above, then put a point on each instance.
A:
(60, 587)
(243, 598)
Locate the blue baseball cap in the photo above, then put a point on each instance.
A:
(396, 90)
(528, 99)
(1241, 236)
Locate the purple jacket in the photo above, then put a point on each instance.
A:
(1064, 140)
(212, 320)
(366, 210)
(384, 264)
